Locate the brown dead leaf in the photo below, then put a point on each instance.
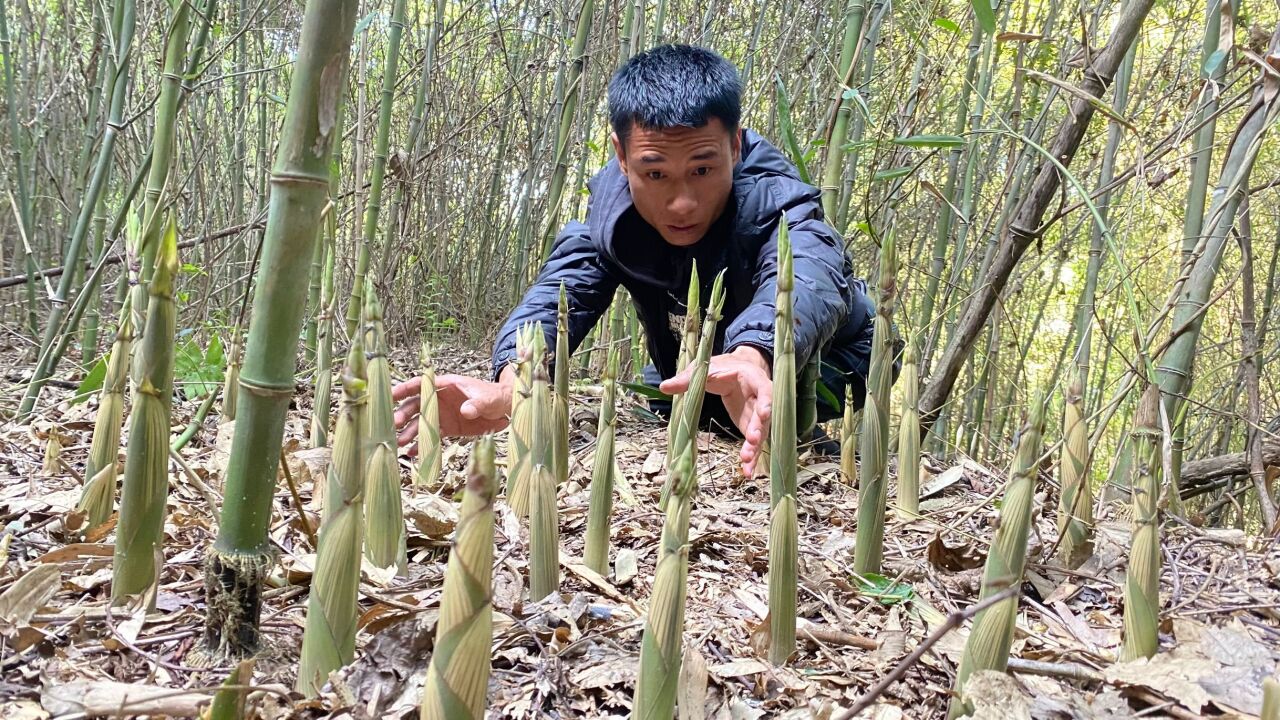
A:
(996, 696)
(431, 515)
(692, 688)
(954, 559)
(1173, 674)
(28, 595)
(110, 698)
(77, 551)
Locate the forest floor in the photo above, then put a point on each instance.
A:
(576, 655)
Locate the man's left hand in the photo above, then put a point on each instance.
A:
(742, 380)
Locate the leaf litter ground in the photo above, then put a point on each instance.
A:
(575, 655)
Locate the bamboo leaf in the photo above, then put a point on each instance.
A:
(985, 16)
(787, 130)
(930, 141)
(884, 589)
(948, 25)
(92, 381)
(647, 391)
(891, 173)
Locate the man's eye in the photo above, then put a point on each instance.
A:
(702, 171)
(654, 175)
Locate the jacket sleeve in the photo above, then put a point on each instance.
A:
(589, 286)
(822, 296)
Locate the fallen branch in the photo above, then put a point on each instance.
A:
(1196, 473)
(119, 258)
(953, 621)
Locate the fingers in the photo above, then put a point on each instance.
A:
(749, 455)
(407, 434)
(677, 384)
(406, 411)
(409, 388)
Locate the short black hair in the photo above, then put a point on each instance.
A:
(673, 86)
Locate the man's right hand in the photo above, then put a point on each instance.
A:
(468, 407)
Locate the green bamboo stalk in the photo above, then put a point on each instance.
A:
(527, 445)
(909, 439)
(849, 440)
(242, 554)
(146, 469)
(325, 321)
(661, 649)
(560, 398)
(1201, 268)
(838, 131)
(378, 172)
(116, 88)
(1142, 579)
(20, 177)
(595, 554)
(97, 500)
(573, 83)
(458, 676)
(992, 635)
(329, 640)
(384, 522)
(162, 140)
(1075, 500)
(429, 446)
(783, 535)
(544, 517)
(873, 487)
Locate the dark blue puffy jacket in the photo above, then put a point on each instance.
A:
(615, 246)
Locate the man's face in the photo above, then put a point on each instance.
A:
(680, 178)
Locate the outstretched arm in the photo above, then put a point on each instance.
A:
(589, 285)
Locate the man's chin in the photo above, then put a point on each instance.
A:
(682, 239)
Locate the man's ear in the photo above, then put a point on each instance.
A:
(736, 142)
(620, 151)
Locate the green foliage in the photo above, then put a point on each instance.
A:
(199, 372)
(92, 381)
(884, 589)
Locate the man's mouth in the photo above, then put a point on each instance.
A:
(682, 228)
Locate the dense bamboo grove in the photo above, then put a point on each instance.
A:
(1070, 213)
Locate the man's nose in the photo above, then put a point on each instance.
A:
(683, 203)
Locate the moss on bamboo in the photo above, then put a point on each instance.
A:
(992, 635)
(458, 676)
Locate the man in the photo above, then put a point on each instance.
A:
(687, 184)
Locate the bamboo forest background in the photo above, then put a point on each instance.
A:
(497, 118)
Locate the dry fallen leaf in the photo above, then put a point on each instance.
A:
(28, 595)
